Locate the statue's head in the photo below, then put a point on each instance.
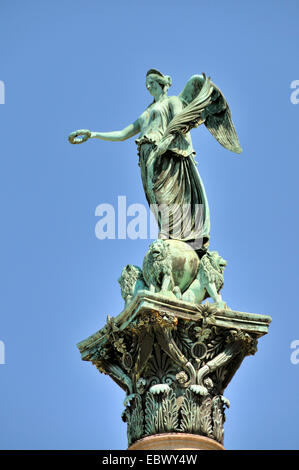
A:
(156, 82)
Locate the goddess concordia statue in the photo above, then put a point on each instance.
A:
(172, 184)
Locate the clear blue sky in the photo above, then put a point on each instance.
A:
(72, 64)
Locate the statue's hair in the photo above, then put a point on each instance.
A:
(164, 80)
(154, 71)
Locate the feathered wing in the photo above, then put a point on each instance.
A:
(204, 103)
(218, 120)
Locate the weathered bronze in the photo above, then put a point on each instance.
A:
(171, 181)
(170, 353)
(174, 360)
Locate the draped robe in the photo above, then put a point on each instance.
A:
(172, 184)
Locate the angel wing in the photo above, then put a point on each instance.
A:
(204, 103)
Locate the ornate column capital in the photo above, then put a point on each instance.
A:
(174, 360)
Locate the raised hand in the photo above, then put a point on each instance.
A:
(80, 136)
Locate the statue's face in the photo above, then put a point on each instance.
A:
(153, 86)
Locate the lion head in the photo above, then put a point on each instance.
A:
(129, 276)
(158, 250)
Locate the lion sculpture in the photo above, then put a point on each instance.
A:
(131, 281)
(174, 269)
(208, 282)
(157, 267)
(170, 264)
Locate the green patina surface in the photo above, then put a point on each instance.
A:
(172, 354)
(166, 157)
(174, 360)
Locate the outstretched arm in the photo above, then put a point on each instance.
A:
(82, 135)
(116, 136)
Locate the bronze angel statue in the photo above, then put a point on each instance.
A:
(169, 174)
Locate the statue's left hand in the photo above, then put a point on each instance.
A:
(80, 136)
